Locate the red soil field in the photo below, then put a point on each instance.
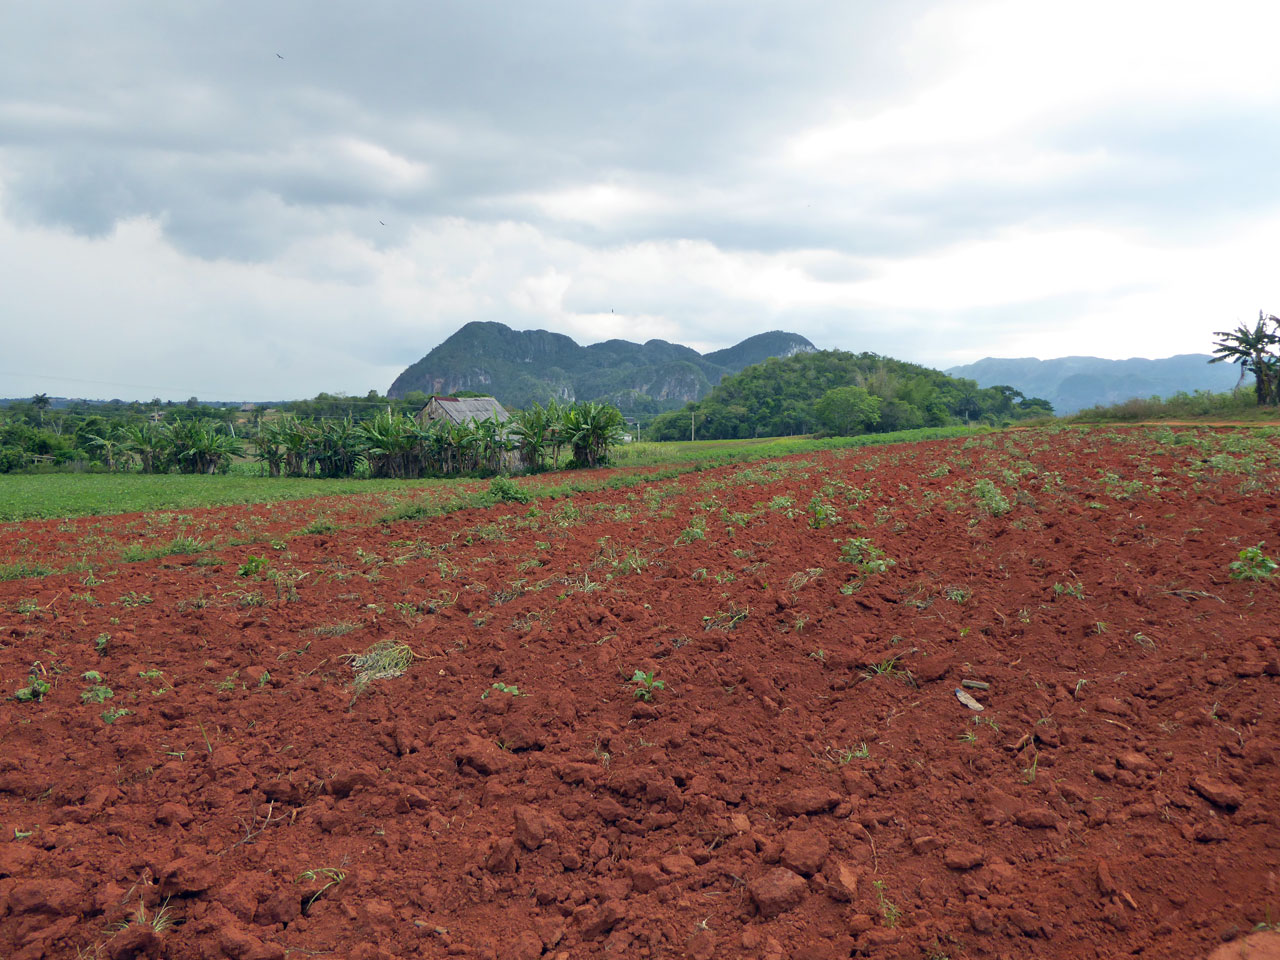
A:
(804, 783)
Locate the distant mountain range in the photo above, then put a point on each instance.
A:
(521, 367)
(1074, 383)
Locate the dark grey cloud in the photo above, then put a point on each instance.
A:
(334, 188)
(167, 111)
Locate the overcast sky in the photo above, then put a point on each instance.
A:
(255, 201)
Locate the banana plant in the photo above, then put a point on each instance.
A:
(150, 442)
(590, 429)
(109, 444)
(296, 437)
(337, 444)
(530, 431)
(389, 442)
(1254, 350)
(267, 446)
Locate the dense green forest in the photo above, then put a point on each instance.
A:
(839, 393)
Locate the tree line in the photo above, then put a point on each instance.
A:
(380, 443)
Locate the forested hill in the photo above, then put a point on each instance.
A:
(835, 392)
(521, 367)
(1074, 383)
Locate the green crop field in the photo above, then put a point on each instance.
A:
(645, 453)
(28, 496)
(59, 495)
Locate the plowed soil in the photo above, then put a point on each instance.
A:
(802, 781)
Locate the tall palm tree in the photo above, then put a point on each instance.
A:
(41, 402)
(1252, 349)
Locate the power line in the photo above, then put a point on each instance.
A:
(106, 383)
(151, 387)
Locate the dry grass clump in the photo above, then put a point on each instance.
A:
(381, 661)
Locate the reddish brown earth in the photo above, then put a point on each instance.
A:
(805, 785)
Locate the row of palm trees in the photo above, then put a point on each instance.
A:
(388, 445)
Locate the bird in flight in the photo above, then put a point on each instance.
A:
(382, 222)
(278, 55)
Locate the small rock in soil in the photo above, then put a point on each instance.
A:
(981, 919)
(173, 813)
(188, 875)
(647, 877)
(57, 897)
(482, 756)
(1036, 818)
(136, 941)
(1132, 760)
(804, 851)
(604, 919)
(964, 856)
(283, 906)
(844, 880)
(1225, 795)
(1212, 831)
(531, 828)
(1106, 884)
(1112, 706)
(15, 858)
(677, 864)
(502, 856)
(777, 891)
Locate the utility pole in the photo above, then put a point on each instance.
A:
(692, 414)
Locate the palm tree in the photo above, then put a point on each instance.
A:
(1252, 349)
(41, 402)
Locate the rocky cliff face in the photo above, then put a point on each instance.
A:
(521, 367)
